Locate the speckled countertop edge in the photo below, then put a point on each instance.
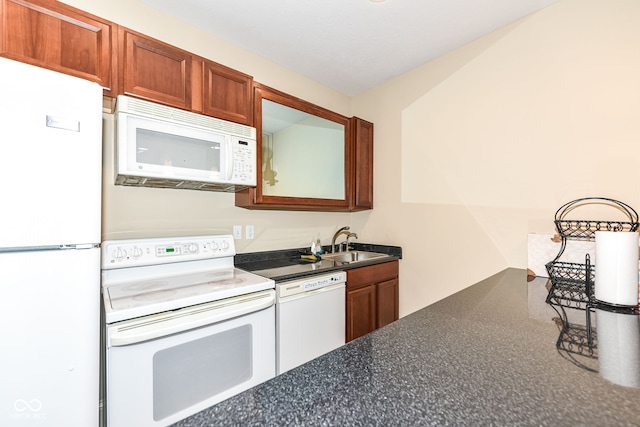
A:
(250, 261)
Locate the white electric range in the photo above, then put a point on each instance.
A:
(184, 328)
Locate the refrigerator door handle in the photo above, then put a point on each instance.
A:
(81, 246)
(49, 248)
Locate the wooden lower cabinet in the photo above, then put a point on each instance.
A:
(387, 293)
(372, 298)
(361, 312)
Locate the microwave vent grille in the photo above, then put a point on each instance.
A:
(141, 181)
(153, 110)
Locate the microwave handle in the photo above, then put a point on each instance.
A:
(229, 154)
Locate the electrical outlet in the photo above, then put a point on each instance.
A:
(249, 232)
(237, 232)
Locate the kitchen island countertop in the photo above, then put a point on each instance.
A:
(486, 355)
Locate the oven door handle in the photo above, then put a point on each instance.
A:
(162, 324)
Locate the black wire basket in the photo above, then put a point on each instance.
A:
(571, 283)
(574, 282)
(585, 229)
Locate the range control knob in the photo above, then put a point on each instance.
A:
(119, 254)
(137, 252)
(192, 248)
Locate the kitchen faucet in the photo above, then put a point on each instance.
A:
(346, 243)
(335, 236)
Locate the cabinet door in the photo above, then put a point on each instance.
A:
(52, 35)
(372, 298)
(154, 70)
(363, 164)
(361, 312)
(228, 94)
(388, 302)
(303, 135)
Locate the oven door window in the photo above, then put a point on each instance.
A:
(189, 373)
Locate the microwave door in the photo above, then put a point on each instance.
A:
(155, 148)
(179, 155)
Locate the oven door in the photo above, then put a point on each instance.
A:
(165, 367)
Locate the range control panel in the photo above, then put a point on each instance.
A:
(140, 252)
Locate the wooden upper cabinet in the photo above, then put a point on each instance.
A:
(52, 35)
(328, 140)
(154, 70)
(227, 93)
(363, 160)
(159, 72)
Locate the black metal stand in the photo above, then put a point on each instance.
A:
(572, 284)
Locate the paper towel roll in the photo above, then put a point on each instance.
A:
(616, 278)
(619, 347)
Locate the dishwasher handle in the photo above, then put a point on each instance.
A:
(163, 324)
(285, 299)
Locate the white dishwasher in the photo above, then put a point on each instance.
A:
(310, 318)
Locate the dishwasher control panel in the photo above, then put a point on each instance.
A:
(308, 284)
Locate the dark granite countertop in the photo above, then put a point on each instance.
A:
(287, 265)
(484, 356)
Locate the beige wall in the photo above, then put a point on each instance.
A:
(481, 146)
(472, 151)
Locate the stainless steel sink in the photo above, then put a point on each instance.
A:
(353, 256)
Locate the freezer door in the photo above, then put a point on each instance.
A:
(49, 330)
(51, 151)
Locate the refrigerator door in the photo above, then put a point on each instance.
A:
(51, 151)
(49, 362)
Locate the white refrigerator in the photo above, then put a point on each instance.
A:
(50, 202)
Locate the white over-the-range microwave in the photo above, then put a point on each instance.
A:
(160, 146)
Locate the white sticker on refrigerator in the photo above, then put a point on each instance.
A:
(63, 123)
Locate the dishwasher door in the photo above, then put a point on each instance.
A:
(309, 324)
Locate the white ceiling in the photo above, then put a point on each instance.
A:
(349, 45)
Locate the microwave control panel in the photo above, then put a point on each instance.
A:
(244, 161)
